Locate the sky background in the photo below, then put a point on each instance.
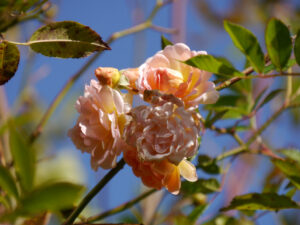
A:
(107, 17)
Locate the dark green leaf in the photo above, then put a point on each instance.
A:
(7, 182)
(245, 41)
(197, 211)
(255, 201)
(23, 157)
(66, 39)
(290, 168)
(278, 42)
(9, 61)
(52, 197)
(213, 65)
(293, 154)
(269, 97)
(208, 164)
(205, 186)
(297, 48)
(165, 42)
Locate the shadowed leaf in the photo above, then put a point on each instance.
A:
(51, 197)
(23, 156)
(208, 164)
(66, 39)
(165, 42)
(9, 61)
(290, 168)
(297, 48)
(269, 97)
(278, 42)
(247, 43)
(7, 182)
(205, 186)
(255, 201)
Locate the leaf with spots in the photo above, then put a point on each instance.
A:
(256, 201)
(9, 61)
(66, 39)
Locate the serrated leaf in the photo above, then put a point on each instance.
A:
(247, 43)
(269, 97)
(293, 154)
(7, 183)
(205, 186)
(279, 43)
(66, 39)
(51, 197)
(290, 168)
(165, 42)
(256, 201)
(208, 164)
(213, 65)
(9, 61)
(23, 157)
(297, 48)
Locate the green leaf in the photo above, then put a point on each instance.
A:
(290, 168)
(269, 97)
(23, 157)
(66, 39)
(278, 42)
(213, 65)
(205, 186)
(51, 197)
(256, 201)
(208, 164)
(297, 48)
(165, 42)
(293, 154)
(7, 183)
(9, 61)
(247, 43)
(197, 211)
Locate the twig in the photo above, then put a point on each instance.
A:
(120, 208)
(94, 192)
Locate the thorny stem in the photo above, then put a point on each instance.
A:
(147, 24)
(120, 208)
(94, 192)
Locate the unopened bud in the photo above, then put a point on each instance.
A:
(107, 75)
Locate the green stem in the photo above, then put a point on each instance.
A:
(94, 192)
(235, 151)
(120, 208)
(266, 124)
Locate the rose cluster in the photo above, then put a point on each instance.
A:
(157, 138)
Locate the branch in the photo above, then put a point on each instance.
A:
(120, 208)
(94, 192)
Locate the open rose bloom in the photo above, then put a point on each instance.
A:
(166, 72)
(97, 131)
(156, 138)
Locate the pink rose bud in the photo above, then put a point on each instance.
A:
(107, 76)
